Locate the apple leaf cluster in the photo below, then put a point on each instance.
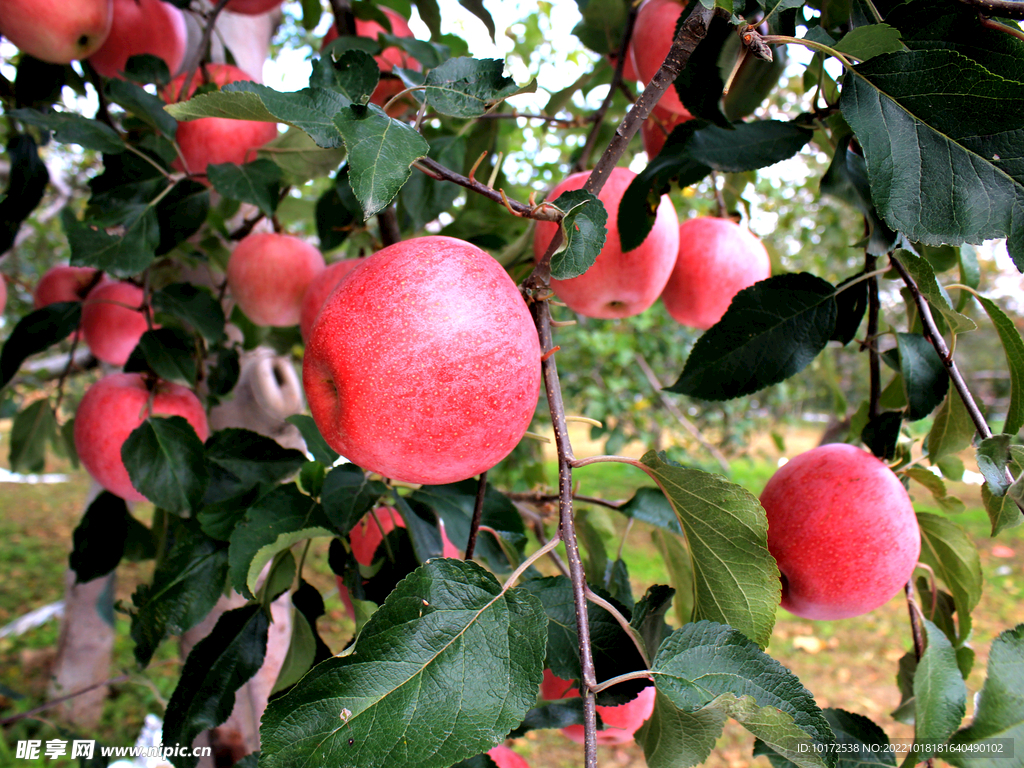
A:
(919, 134)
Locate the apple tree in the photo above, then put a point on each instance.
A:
(910, 118)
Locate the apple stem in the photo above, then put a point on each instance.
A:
(478, 511)
(638, 675)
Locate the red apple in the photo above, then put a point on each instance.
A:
(57, 31)
(112, 321)
(652, 37)
(717, 259)
(658, 126)
(252, 7)
(63, 283)
(217, 139)
(389, 58)
(628, 70)
(618, 284)
(424, 365)
(504, 757)
(268, 275)
(843, 531)
(3, 294)
(319, 289)
(142, 26)
(111, 409)
(620, 722)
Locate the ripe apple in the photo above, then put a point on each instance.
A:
(268, 274)
(617, 284)
(843, 531)
(57, 31)
(504, 757)
(63, 283)
(717, 259)
(387, 59)
(3, 294)
(142, 26)
(620, 722)
(252, 7)
(652, 37)
(424, 365)
(112, 321)
(217, 139)
(112, 408)
(658, 126)
(319, 289)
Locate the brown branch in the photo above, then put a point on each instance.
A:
(931, 332)
(1007, 9)
(997, 27)
(915, 620)
(435, 170)
(54, 702)
(388, 222)
(478, 513)
(344, 21)
(201, 50)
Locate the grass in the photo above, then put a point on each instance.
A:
(849, 664)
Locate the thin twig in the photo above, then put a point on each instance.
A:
(1007, 9)
(478, 513)
(623, 622)
(60, 700)
(201, 50)
(874, 358)
(915, 620)
(388, 222)
(437, 171)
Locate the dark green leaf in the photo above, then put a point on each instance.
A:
(917, 116)
(476, 7)
(275, 522)
(700, 84)
(35, 332)
(847, 179)
(250, 458)
(168, 352)
(881, 433)
(299, 158)
(924, 276)
(465, 87)
(70, 128)
(354, 74)
(348, 494)
(953, 556)
(144, 105)
(423, 199)
(164, 459)
(145, 68)
(315, 442)
(679, 567)
(180, 213)
(651, 506)
(1001, 510)
(583, 234)
(299, 658)
(258, 182)
(188, 580)
(866, 42)
(746, 146)
(25, 186)
(736, 579)
(992, 456)
(1013, 346)
(39, 83)
(675, 738)
(851, 304)
(448, 646)
(940, 696)
(771, 331)
(122, 255)
(555, 714)
(194, 305)
(925, 381)
(33, 428)
(649, 615)
(219, 664)
(711, 666)
(861, 743)
(99, 539)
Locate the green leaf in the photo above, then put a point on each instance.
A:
(145, 68)
(354, 74)
(924, 276)
(315, 442)
(348, 494)
(675, 738)
(679, 566)
(925, 381)
(187, 583)
(700, 84)
(736, 580)
(423, 199)
(940, 696)
(583, 234)
(709, 666)
(1013, 346)
(476, 7)
(33, 428)
(69, 128)
(952, 429)
(881, 433)
(771, 331)
(999, 708)
(299, 658)
(867, 42)
(194, 305)
(649, 615)
(936, 486)
(861, 743)
(953, 556)
(275, 522)
(180, 213)
(35, 332)
(299, 158)
(168, 352)
(164, 459)
(144, 105)
(851, 304)
(219, 664)
(441, 672)
(99, 539)
(847, 179)
(992, 456)
(121, 255)
(465, 87)
(26, 182)
(1001, 510)
(553, 715)
(258, 182)
(921, 115)
(381, 152)
(241, 459)
(649, 505)
(614, 651)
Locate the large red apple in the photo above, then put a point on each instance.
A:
(63, 283)
(252, 7)
(843, 531)
(389, 58)
(424, 365)
(111, 409)
(217, 139)
(617, 284)
(658, 126)
(717, 259)
(319, 289)
(620, 722)
(113, 321)
(57, 31)
(142, 26)
(652, 37)
(504, 757)
(269, 273)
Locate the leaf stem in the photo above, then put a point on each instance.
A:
(511, 580)
(821, 47)
(478, 512)
(596, 599)
(640, 674)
